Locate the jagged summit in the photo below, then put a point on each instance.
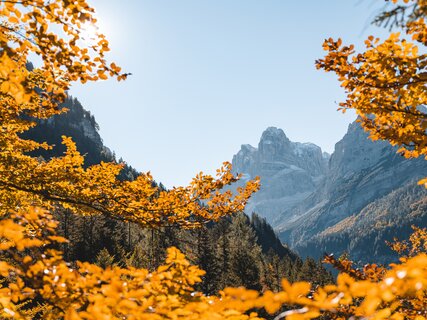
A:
(248, 148)
(273, 133)
(289, 170)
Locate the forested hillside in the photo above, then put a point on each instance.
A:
(236, 251)
(81, 125)
(365, 235)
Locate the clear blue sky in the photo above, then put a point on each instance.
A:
(210, 75)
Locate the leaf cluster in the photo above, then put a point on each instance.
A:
(385, 84)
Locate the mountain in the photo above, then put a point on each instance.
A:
(289, 171)
(353, 201)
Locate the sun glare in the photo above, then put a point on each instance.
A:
(89, 32)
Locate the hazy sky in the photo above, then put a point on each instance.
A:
(210, 75)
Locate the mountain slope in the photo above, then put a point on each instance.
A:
(382, 220)
(342, 206)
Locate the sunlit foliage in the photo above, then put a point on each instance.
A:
(29, 94)
(416, 244)
(384, 84)
(35, 273)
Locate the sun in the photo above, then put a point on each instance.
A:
(89, 32)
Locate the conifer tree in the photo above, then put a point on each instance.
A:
(208, 261)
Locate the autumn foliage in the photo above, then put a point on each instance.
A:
(385, 85)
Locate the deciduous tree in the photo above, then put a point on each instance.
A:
(29, 94)
(384, 84)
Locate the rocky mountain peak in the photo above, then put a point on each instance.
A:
(273, 133)
(289, 170)
(244, 160)
(274, 146)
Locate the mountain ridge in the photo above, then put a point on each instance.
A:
(358, 173)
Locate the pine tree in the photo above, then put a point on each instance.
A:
(104, 259)
(208, 261)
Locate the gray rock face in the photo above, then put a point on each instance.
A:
(289, 171)
(360, 173)
(305, 192)
(89, 131)
(274, 148)
(77, 123)
(244, 160)
(355, 152)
